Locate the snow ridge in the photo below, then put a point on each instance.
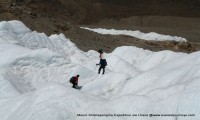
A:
(137, 34)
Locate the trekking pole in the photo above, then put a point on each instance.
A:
(95, 67)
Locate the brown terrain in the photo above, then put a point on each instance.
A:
(171, 17)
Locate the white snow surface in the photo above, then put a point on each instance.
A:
(35, 70)
(137, 34)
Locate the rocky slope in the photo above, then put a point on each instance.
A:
(174, 17)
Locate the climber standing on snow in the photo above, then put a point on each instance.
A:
(103, 62)
(74, 81)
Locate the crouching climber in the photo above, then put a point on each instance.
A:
(74, 81)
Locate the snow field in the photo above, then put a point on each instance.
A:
(35, 70)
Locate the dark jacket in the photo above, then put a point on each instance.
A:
(103, 62)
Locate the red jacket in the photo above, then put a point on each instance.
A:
(76, 80)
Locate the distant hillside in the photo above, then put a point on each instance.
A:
(173, 17)
(94, 10)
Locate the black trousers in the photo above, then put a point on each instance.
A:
(74, 85)
(101, 67)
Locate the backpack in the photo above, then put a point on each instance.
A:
(103, 62)
(72, 80)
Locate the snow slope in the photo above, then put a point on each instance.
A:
(137, 34)
(35, 70)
